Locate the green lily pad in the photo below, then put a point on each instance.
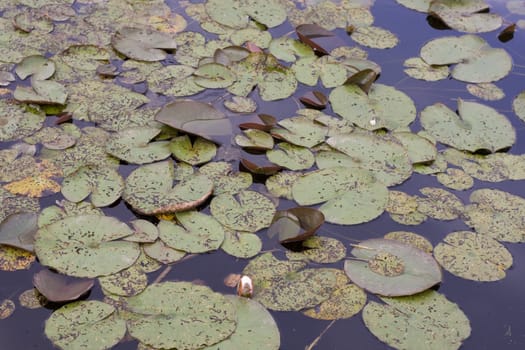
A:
(149, 189)
(105, 185)
(291, 156)
(486, 91)
(455, 179)
(473, 256)
(236, 14)
(246, 211)
(265, 268)
(86, 246)
(298, 290)
(240, 104)
(60, 288)
(496, 214)
(412, 239)
(162, 253)
(13, 259)
(17, 121)
(344, 302)
(383, 106)
(144, 232)
(37, 66)
(401, 203)
(351, 197)
(427, 318)
(128, 282)
(416, 68)
(476, 127)
(241, 244)
(420, 149)
(64, 209)
(287, 49)
(133, 145)
(374, 37)
(201, 151)
(322, 250)
(518, 104)
(18, 230)
(195, 232)
(251, 35)
(309, 69)
(256, 140)
(392, 268)
(214, 76)
(300, 131)
(85, 324)
(224, 179)
(181, 315)
(386, 158)
(280, 184)
(256, 328)
(413, 218)
(142, 44)
(439, 204)
(465, 19)
(174, 80)
(197, 118)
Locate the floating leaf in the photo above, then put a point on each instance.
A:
(162, 253)
(310, 31)
(7, 307)
(486, 91)
(133, 145)
(241, 244)
(85, 324)
(197, 118)
(280, 184)
(392, 268)
(13, 259)
(374, 37)
(195, 233)
(254, 140)
(287, 49)
(497, 214)
(476, 127)
(149, 189)
(201, 151)
(17, 121)
(181, 315)
(439, 204)
(412, 239)
(214, 76)
(60, 288)
(29, 299)
(236, 14)
(383, 106)
(291, 157)
(309, 69)
(86, 246)
(314, 99)
(105, 185)
(267, 169)
(37, 66)
(322, 250)
(344, 302)
(420, 149)
(127, 282)
(18, 230)
(256, 327)
(240, 104)
(41, 92)
(265, 268)
(300, 131)
(246, 211)
(518, 104)
(173, 80)
(416, 68)
(455, 179)
(465, 19)
(225, 180)
(351, 197)
(40, 184)
(142, 44)
(473, 256)
(427, 318)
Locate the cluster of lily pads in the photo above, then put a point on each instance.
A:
(116, 78)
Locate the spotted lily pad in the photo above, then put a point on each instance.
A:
(60, 288)
(142, 44)
(224, 179)
(240, 104)
(37, 66)
(439, 204)
(412, 239)
(351, 197)
(214, 76)
(254, 140)
(133, 145)
(476, 127)
(181, 315)
(416, 68)
(18, 121)
(105, 185)
(374, 37)
(466, 18)
(518, 104)
(246, 211)
(497, 214)
(486, 91)
(241, 244)
(455, 179)
(236, 14)
(473, 256)
(195, 232)
(44, 92)
(300, 131)
(256, 327)
(162, 253)
(149, 189)
(291, 156)
(86, 246)
(13, 259)
(322, 250)
(392, 268)
(427, 318)
(128, 282)
(344, 302)
(85, 324)
(201, 151)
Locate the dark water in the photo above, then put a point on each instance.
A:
(496, 310)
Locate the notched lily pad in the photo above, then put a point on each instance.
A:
(133, 145)
(143, 44)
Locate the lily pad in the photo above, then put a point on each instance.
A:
(13, 259)
(105, 185)
(321, 250)
(247, 211)
(439, 204)
(133, 145)
(374, 37)
(17, 121)
(37, 66)
(291, 157)
(254, 140)
(486, 91)
(240, 104)
(128, 282)
(197, 118)
(473, 256)
(60, 288)
(214, 76)
(455, 179)
(85, 324)
(142, 44)
(518, 104)
(476, 127)
(86, 246)
(224, 179)
(344, 302)
(201, 151)
(149, 189)
(195, 232)
(236, 14)
(181, 315)
(300, 131)
(351, 197)
(295, 224)
(427, 318)
(412, 239)
(256, 328)
(241, 244)
(18, 230)
(465, 18)
(162, 253)
(496, 214)
(416, 68)
(392, 268)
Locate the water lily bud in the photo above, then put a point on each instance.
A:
(245, 287)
